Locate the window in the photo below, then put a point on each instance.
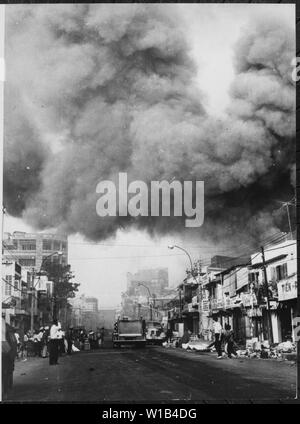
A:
(8, 285)
(56, 245)
(281, 272)
(28, 244)
(253, 277)
(16, 284)
(64, 246)
(27, 261)
(47, 244)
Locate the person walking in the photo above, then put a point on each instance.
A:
(61, 341)
(217, 329)
(229, 341)
(36, 343)
(53, 343)
(40, 341)
(169, 335)
(69, 338)
(24, 347)
(102, 332)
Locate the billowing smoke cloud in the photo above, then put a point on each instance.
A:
(102, 89)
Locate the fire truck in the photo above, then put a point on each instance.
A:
(129, 332)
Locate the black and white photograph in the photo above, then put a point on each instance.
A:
(149, 248)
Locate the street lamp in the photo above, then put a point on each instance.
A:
(59, 253)
(141, 284)
(172, 246)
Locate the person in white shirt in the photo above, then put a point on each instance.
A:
(217, 328)
(53, 343)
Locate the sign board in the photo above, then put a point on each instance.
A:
(195, 300)
(248, 299)
(220, 304)
(287, 290)
(205, 307)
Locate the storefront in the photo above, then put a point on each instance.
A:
(287, 310)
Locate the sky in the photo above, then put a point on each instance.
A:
(101, 269)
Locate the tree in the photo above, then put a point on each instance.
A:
(63, 286)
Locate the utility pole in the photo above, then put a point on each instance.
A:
(32, 303)
(289, 219)
(270, 331)
(286, 205)
(2, 229)
(180, 316)
(200, 295)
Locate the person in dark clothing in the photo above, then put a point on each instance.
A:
(143, 326)
(102, 332)
(69, 338)
(169, 335)
(8, 354)
(229, 341)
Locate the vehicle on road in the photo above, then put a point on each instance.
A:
(129, 333)
(155, 333)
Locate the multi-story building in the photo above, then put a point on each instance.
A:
(84, 312)
(16, 298)
(281, 272)
(155, 279)
(32, 249)
(239, 295)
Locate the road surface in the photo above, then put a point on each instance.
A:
(151, 374)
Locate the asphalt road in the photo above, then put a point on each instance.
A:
(151, 374)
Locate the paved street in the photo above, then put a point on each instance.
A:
(151, 374)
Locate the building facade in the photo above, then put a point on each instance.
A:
(33, 249)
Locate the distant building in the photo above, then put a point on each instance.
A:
(91, 304)
(32, 249)
(107, 318)
(16, 303)
(84, 312)
(155, 279)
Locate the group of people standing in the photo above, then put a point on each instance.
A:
(223, 337)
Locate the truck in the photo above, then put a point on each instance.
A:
(155, 333)
(129, 332)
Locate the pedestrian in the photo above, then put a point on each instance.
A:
(186, 336)
(44, 343)
(69, 338)
(217, 329)
(229, 341)
(24, 347)
(36, 343)
(40, 341)
(53, 343)
(81, 339)
(17, 337)
(98, 338)
(8, 355)
(61, 341)
(169, 335)
(91, 339)
(102, 332)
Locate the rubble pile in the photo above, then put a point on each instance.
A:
(264, 351)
